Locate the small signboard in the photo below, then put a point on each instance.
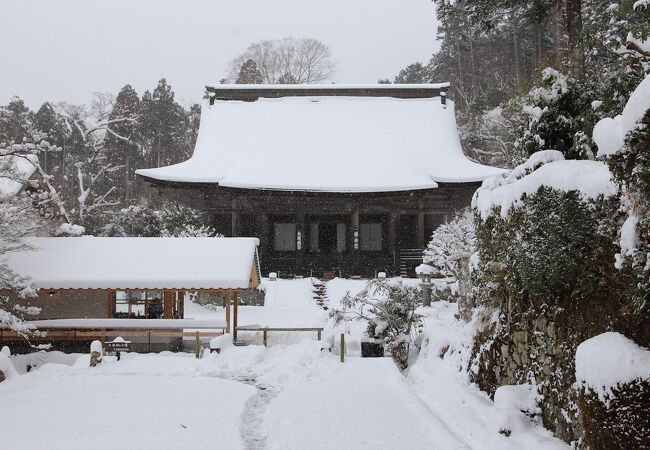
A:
(117, 346)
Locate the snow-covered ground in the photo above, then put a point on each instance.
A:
(290, 395)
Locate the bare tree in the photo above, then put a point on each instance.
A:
(93, 169)
(303, 60)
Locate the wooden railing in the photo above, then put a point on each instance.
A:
(266, 330)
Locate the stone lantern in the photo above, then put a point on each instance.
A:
(425, 271)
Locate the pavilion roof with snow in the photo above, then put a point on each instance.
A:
(138, 263)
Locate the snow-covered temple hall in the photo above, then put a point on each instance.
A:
(333, 179)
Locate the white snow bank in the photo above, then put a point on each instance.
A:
(549, 169)
(609, 133)
(610, 359)
(522, 397)
(137, 263)
(440, 378)
(373, 144)
(144, 402)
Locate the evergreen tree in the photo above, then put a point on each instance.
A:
(15, 120)
(122, 140)
(164, 123)
(413, 74)
(249, 73)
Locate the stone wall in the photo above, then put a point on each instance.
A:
(539, 347)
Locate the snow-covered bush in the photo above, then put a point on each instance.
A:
(613, 376)
(17, 219)
(550, 116)
(545, 236)
(389, 309)
(449, 251)
(624, 141)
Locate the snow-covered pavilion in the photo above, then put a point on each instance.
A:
(91, 283)
(348, 179)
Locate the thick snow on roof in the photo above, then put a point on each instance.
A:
(333, 87)
(137, 263)
(330, 144)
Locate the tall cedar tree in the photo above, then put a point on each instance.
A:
(122, 141)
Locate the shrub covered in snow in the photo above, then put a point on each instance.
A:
(389, 309)
(613, 375)
(625, 143)
(449, 251)
(546, 235)
(536, 228)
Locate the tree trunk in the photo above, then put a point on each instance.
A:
(515, 42)
(574, 33)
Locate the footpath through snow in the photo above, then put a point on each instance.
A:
(290, 395)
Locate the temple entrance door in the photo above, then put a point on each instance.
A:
(327, 236)
(407, 234)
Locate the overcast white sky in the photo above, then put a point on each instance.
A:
(65, 49)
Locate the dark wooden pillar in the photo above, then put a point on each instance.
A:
(355, 242)
(420, 231)
(262, 231)
(393, 217)
(300, 252)
(235, 224)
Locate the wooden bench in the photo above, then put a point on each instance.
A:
(265, 330)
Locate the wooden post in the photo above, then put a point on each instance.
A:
(264, 335)
(342, 347)
(197, 345)
(234, 318)
(169, 297)
(110, 304)
(180, 295)
(318, 331)
(228, 294)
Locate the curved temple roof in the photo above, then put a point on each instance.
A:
(327, 144)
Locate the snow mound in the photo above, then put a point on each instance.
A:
(522, 397)
(6, 366)
(610, 359)
(547, 168)
(609, 133)
(67, 229)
